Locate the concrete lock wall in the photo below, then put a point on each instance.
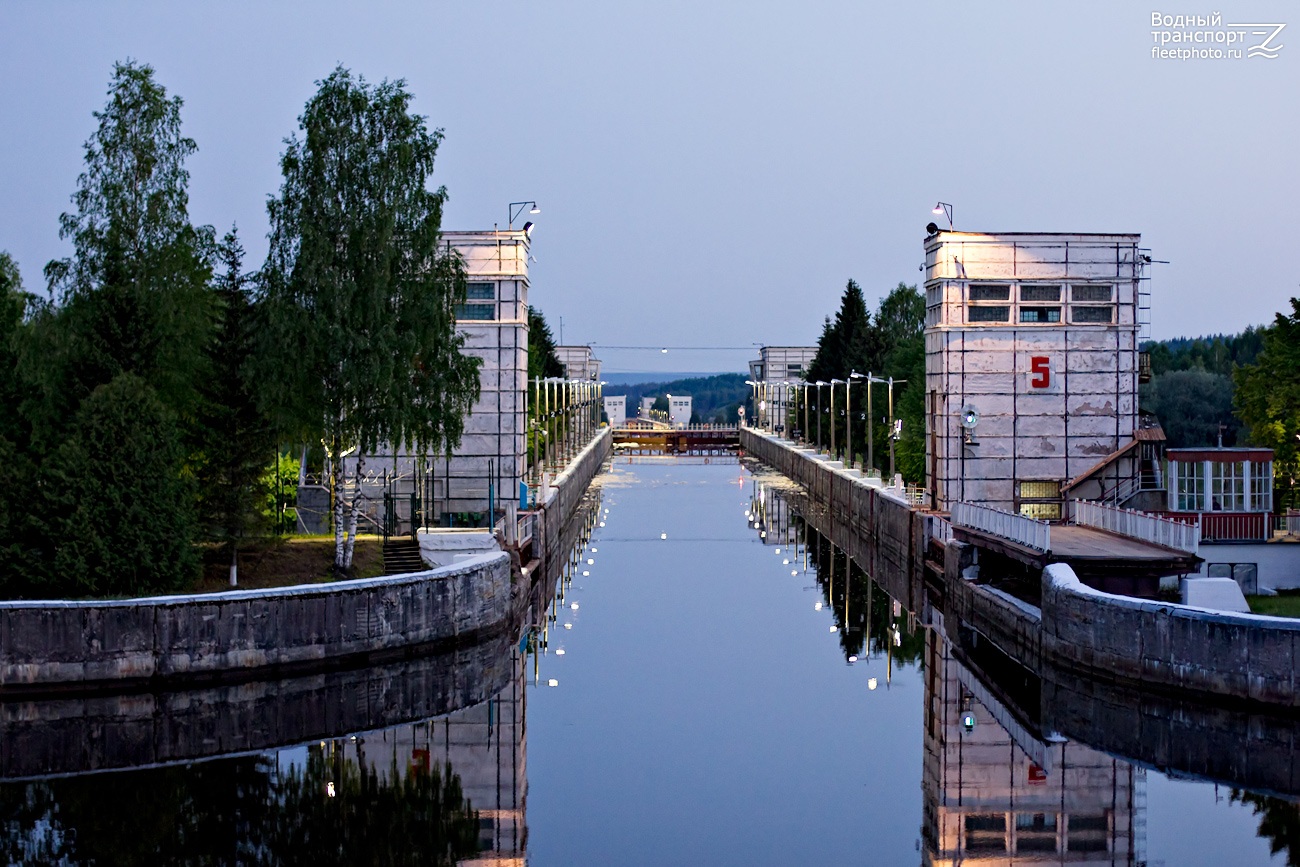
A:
(1246, 656)
(1099, 635)
(55, 643)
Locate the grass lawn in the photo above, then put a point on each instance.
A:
(1282, 605)
(286, 561)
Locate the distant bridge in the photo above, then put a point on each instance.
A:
(700, 439)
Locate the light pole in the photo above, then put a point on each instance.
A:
(804, 432)
(893, 433)
(834, 452)
(516, 211)
(871, 424)
(848, 411)
(819, 414)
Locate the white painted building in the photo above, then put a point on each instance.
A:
(494, 320)
(781, 363)
(489, 463)
(616, 410)
(679, 409)
(1031, 344)
(647, 404)
(579, 363)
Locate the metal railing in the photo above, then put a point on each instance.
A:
(1167, 532)
(1025, 531)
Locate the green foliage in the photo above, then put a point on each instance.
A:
(243, 810)
(1191, 404)
(277, 489)
(542, 360)
(889, 344)
(1268, 401)
(1279, 823)
(134, 296)
(714, 398)
(118, 510)
(236, 434)
(1218, 353)
(359, 344)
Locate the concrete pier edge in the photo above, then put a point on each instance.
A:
(1240, 657)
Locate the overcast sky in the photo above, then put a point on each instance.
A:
(710, 174)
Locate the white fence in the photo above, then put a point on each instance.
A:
(1017, 528)
(1138, 525)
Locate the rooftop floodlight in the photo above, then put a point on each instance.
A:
(528, 230)
(517, 208)
(945, 209)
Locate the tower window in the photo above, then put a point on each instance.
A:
(1040, 314)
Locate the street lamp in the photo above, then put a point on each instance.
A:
(945, 209)
(834, 452)
(517, 208)
(819, 414)
(893, 429)
(848, 413)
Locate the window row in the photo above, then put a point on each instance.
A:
(1090, 315)
(1084, 293)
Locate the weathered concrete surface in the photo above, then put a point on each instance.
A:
(567, 491)
(1098, 635)
(61, 643)
(59, 735)
(1257, 750)
(1244, 656)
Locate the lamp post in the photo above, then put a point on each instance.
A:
(834, 452)
(871, 423)
(945, 209)
(893, 433)
(819, 414)
(804, 432)
(516, 211)
(848, 411)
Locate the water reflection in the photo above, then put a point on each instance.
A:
(417, 762)
(1024, 766)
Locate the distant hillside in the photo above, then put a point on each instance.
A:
(714, 398)
(645, 377)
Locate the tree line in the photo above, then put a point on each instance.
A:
(149, 391)
(887, 343)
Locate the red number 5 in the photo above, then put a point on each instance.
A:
(1039, 366)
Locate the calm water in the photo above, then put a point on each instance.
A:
(693, 692)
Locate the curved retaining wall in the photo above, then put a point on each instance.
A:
(54, 735)
(233, 634)
(1246, 656)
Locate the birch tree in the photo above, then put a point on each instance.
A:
(360, 295)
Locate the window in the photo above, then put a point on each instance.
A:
(1088, 833)
(1245, 574)
(990, 292)
(986, 833)
(1189, 486)
(1031, 292)
(1039, 499)
(481, 291)
(794, 369)
(934, 294)
(1092, 315)
(1000, 313)
(1035, 832)
(1227, 493)
(1261, 486)
(1091, 293)
(476, 311)
(1040, 314)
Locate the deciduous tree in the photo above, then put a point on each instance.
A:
(360, 294)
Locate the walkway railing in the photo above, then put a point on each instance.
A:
(1017, 528)
(1139, 525)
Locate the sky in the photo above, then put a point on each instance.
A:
(710, 174)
